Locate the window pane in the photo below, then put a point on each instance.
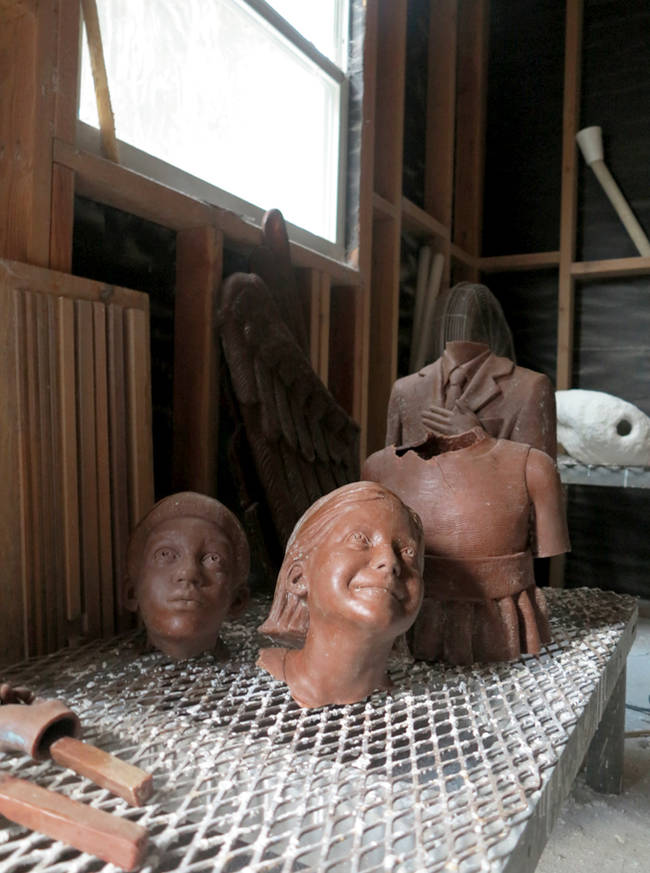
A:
(212, 89)
(322, 22)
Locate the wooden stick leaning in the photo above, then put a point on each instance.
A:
(591, 144)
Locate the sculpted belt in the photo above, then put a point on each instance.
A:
(490, 578)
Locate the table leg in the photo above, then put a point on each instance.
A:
(604, 758)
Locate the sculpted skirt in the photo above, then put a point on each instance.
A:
(480, 609)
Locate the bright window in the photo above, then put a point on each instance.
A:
(226, 91)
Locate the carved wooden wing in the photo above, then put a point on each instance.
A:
(302, 442)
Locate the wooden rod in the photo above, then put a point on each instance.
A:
(102, 93)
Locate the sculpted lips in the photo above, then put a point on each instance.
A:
(186, 602)
(377, 586)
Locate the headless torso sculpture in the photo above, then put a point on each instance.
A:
(487, 506)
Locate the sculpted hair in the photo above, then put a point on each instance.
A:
(288, 619)
(183, 505)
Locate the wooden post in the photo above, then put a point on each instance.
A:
(199, 259)
(570, 122)
(470, 128)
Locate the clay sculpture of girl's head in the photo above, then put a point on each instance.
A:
(349, 585)
(187, 570)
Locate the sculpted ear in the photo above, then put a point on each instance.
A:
(129, 597)
(296, 580)
(239, 601)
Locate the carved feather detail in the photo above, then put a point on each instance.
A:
(303, 443)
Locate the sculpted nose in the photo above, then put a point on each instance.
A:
(384, 558)
(188, 570)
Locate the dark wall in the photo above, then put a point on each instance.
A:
(522, 200)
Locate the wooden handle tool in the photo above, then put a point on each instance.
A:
(48, 729)
(113, 839)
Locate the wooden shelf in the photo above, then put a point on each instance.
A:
(607, 269)
(420, 223)
(530, 261)
(382, 208)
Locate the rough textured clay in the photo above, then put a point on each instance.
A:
(350, 584)
(488, 506)
(187, 570)
(599, 428)
(469, 386)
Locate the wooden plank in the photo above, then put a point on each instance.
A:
(69, 450)
(46, 583)
(45, 281)
(570, 123)
(138, 392)
(17, 96)
(12, 522)
(528, 261)
(118, 454)
(383, 327)
(115, 185)
(346, 363)
(324, 327)
(470, 125)
(382, 208)
(309, 284)
(32, 481)
(88, 493)
(100, 80)
(608, 269)
(441, 111)
(389, 107)
(68, 72)
(199, 264)
(106, 576)
(16, 8)
(61, 225)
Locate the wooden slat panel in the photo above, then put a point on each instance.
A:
(199, 261)
(103, 471)
(31, 478)
(118, 452)
(138, 392)
(570, 122)
(88, 493)
(46, 584)
(69, 454)
(12, 630)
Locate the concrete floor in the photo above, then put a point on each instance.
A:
(598, 833)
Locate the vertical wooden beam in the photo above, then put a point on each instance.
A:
(137, 367)
(441, 119)
(199, 265)
(389, 107)
(441, 111)
(38, 67)
(389, 131)
(12, 514)
(470, 125)
(570, 123)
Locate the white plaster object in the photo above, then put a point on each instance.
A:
(599, 428)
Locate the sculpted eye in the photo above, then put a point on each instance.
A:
(357, 540)
(164, 555)
(213, 561)
(408, 552)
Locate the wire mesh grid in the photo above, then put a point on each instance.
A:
(433, 776)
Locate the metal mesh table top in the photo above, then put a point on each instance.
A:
(441, 774)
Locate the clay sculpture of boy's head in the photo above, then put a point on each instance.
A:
(186, 571)
(349, 585)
